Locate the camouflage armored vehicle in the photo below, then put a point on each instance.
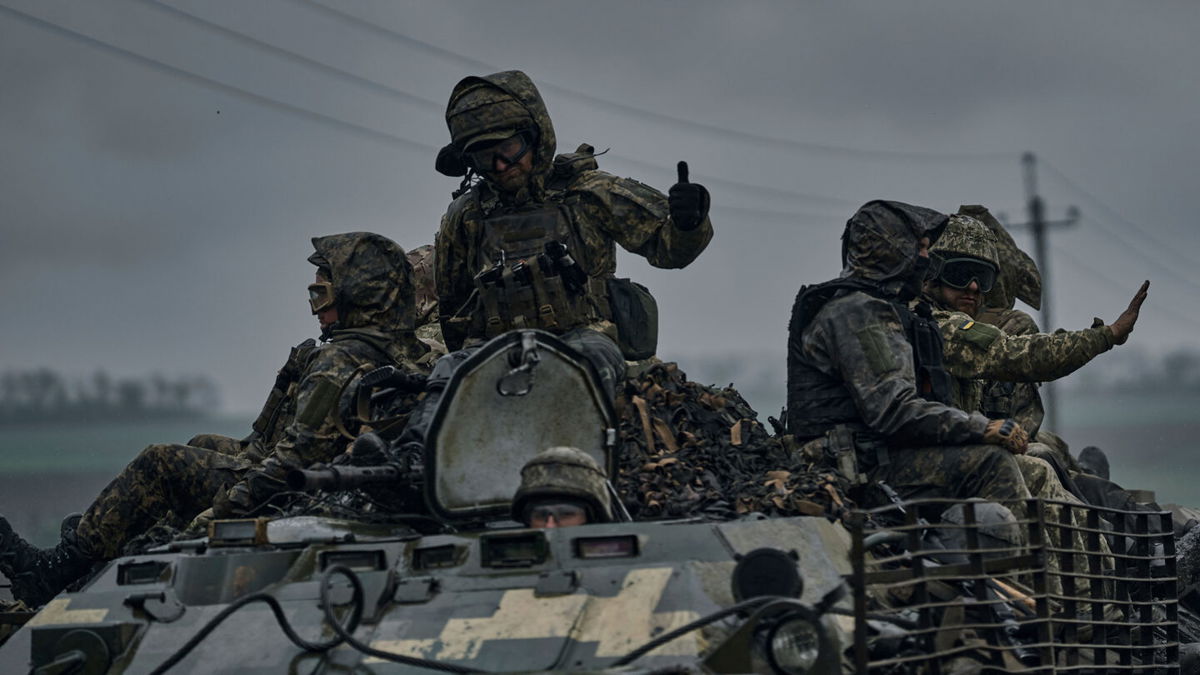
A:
(457, 586)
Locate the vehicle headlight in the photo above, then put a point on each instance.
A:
(793, 645)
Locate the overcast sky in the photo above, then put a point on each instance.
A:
(163, 165)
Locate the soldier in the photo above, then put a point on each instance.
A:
(1019, 279)
(428, 326)
(964, 267)
(532, 242)
(363, 301)
(865, 378)
(561, 487)
(528, 198)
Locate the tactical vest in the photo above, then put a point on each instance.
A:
(521, 286)
(280, 408)
(818, 402)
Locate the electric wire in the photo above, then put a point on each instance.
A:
(1130, 244)
(439, 108)
(1115, 215)
(662, 118)
(296, 57)
(161, 66)
(1086, 270)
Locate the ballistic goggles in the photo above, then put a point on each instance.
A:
(960, 272)
(510, 149)
(320, 296)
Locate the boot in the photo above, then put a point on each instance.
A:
(37, 575)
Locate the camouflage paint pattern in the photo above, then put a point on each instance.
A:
(604, 209)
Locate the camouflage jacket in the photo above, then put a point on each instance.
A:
(859, 339)
(604, 210)
(1018, 400)
(976, 351)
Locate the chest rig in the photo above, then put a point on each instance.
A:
(530, 275)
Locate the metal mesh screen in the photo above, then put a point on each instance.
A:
(1078, 589)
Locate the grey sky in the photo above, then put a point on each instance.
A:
(154, 220)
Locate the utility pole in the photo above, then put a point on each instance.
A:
(1039, 226)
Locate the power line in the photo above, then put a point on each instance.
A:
(437, 107)
(1062, 176)
(662, 118)
(176, 71)
(296, 57)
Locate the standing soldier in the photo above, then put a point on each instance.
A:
(364, 303)
(865, 377)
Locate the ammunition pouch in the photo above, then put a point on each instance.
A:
(635, 312)
(532, 295)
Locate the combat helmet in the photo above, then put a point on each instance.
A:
(564, 473)
(995, 527)
(966, 236)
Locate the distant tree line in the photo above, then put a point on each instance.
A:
(1135, 371)
(42, 395)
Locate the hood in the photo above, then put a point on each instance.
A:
(1019, 275)
(879, 243)
(501, 103)
(372, 280)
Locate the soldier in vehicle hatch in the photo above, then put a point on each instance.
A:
(562, 487)
(865, 377)
(363, 300)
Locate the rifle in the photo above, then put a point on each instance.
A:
(374, 466)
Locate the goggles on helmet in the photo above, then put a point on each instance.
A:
(960, 272)
(510, 149)
(320, 296)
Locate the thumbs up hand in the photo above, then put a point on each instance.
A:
(688, 201)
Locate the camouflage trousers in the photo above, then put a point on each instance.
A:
(953, 472)
(1043, 483)
(162, 479)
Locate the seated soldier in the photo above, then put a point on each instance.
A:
(562, 487)
(363, 301)
(865, 369)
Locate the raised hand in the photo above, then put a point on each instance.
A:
(688, 201)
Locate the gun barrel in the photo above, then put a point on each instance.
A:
(334, 478)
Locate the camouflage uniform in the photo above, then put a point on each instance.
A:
(594, 210)
(851, 364)
(298, 426)
(976, 352)
(374, 291)
(429, 327)
(1019, 280)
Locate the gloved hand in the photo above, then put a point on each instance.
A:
(688, 201)
(1007, 434)
(1123, 326)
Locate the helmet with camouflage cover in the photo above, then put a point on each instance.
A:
(995, 526)
(564, 473)
(372, 280)
(497, 106)
(966, 236)
(1019, 275)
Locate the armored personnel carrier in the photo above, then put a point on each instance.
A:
(457, 586)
